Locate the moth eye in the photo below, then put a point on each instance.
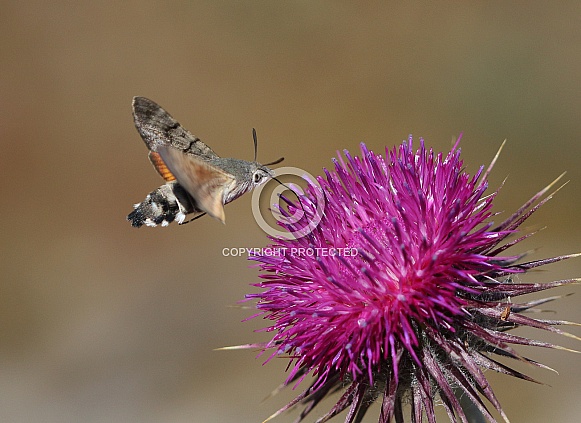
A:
(257, 177)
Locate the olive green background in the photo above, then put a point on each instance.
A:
(100, 322)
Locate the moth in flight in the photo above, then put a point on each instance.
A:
(198, 181)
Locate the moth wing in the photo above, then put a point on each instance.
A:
(158, 128)
(204, 182)
(160, 166)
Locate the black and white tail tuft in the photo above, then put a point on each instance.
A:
(168, 203)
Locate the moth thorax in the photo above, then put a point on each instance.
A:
(236, 189)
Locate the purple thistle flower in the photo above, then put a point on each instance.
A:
(403, 291)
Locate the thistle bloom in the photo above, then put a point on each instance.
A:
(404, 291)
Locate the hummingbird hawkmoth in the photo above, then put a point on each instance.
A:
(198, 181)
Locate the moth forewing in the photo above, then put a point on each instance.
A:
(158, 128)
(204, 182)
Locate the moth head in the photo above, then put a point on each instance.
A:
(246, 175)
(261, 175)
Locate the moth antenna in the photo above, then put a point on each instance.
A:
(255, 138)
(275, 162)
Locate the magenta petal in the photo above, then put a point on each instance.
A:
(417, 296)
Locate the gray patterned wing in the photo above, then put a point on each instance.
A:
(158, 128)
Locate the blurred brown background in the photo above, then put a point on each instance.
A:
(100, 322)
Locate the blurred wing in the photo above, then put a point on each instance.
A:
(158, 128)
(204, 182)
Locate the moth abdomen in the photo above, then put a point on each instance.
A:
(168, 203)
